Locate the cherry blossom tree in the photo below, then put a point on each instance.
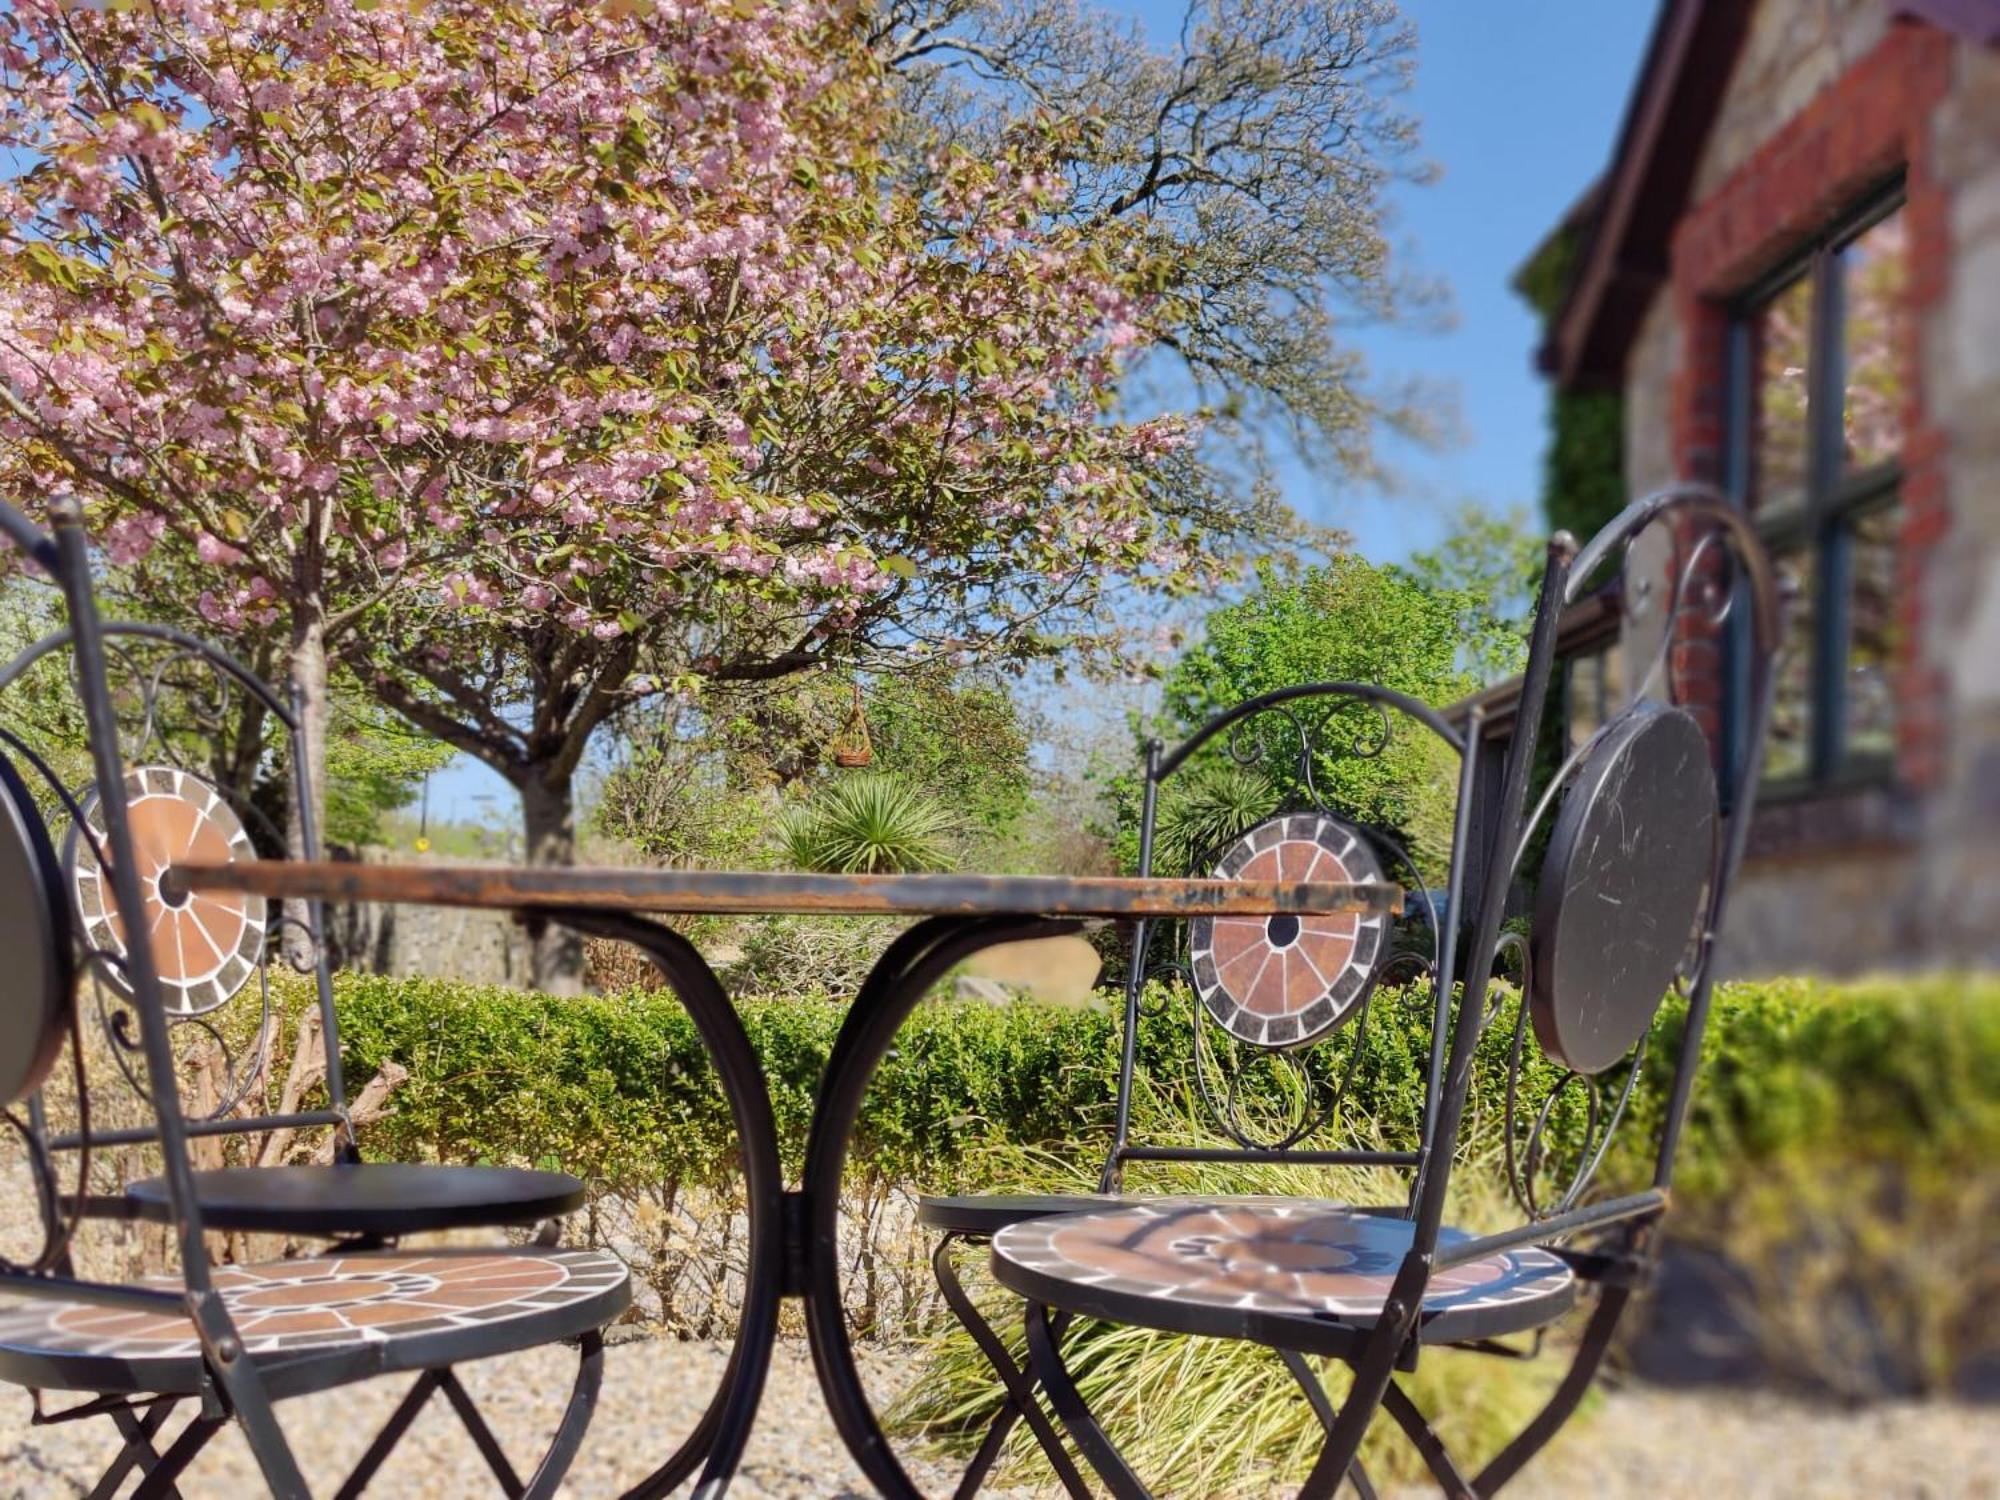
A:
(529, 357)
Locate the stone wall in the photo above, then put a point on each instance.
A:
(1794, 51)
(480, 947)
(1826, 97)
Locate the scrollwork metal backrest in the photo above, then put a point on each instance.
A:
(1275, 1053)
(200, 736)
(1643, 837)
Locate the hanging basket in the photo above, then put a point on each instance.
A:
(851, 748)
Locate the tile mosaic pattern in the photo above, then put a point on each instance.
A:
(328, 1302)
(207, 946)
(1275, 1255)
(1285, 981)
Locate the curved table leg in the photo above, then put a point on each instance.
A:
(575, 1422)
(724, 1429)
(907, 969)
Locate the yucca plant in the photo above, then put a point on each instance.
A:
(1205, 809)
(877, 824)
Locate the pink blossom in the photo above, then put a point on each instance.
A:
(216, 552)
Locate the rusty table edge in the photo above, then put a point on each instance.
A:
(742, 893)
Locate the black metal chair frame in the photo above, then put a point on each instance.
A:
(231, 1385)
(1367, 716)
(1719, 561)
(527, 1202)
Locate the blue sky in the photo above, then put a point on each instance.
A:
(1519, 101)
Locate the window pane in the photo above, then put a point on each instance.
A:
(1780, 332)
(1869, 712)
(1788, 752)
(1596, 689)
(1873, 341)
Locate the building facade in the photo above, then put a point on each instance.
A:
(1790, 275)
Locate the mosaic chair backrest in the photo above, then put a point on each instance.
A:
(194, 740)
(1638, 832)
(1279, 1009)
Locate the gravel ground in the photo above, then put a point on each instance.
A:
(1663, 1445)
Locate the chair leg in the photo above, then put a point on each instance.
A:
(138, 1432)
(481, 1434)
(1423, 1437)
(1550, 1419)
(556, 1459)
(159, 1481)
(1316, 1397)
(1047, 1361)
(1018, 1383)
(1373, 1372)
(390, 1435)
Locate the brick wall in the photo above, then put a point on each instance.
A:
(1827, 99)
(1868, 122)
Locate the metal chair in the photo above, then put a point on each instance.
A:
(1290, 993)
(174, 698)
(233, 1339)
(1644, 837)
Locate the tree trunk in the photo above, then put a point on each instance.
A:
(307, 665)
(548, 819)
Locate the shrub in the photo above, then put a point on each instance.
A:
(875, 824)
(1902, 1073)
(1840, 1149)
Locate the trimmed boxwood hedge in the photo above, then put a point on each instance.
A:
(1889, 1070)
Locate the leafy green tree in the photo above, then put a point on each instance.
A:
(375, 764)
(698, 783)
(41, 706)
(1348, 620)
(957, 736)
(1487, 568)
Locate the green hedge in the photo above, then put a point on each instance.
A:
(617, 1088)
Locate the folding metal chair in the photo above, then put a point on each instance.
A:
(1644, 838)
(231, 1339)
(1290, 993)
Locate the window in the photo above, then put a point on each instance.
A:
(1593, 689)
(1820, 357)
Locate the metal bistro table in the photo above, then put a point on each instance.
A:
(792, 1231)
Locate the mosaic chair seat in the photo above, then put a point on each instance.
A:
(1293, 1273)
(226, 1341)
(324, 1320)
(1638, 836)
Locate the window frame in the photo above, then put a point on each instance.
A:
(1832, 502)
